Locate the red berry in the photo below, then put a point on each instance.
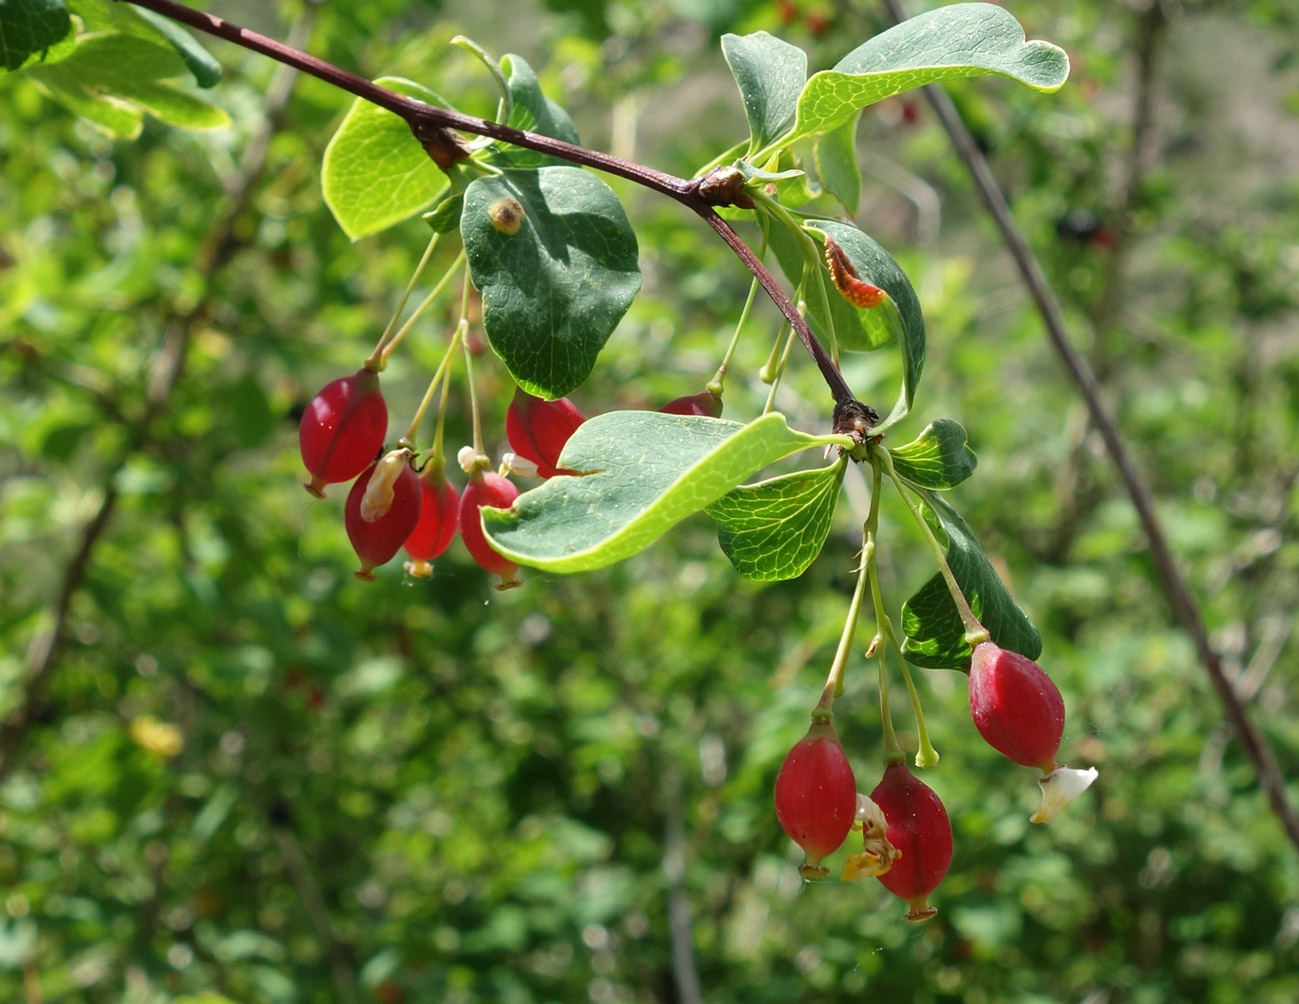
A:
(342, 429)
(704, 403)
(486, 489)
(1015, 706)
(918, 827)
(538, 429)
(382, 510)
(816, 795)
(438, 518)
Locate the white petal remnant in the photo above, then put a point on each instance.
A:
(877, 854)
(521, 466)
(377, 499)
(1059, 788)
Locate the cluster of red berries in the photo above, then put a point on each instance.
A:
(906, 833)
(393, 504)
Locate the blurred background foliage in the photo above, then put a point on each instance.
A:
(254, 778)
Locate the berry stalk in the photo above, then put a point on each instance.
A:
(834, 681)
(377, 360)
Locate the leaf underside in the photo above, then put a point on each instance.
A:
(939, 458)
(643, 472)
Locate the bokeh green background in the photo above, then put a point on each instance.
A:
(259, 778)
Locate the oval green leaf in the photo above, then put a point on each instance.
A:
(773, 530)
(642, 472)
(771, 74)
(375, 173)
(961, 40)
(555, 281)
(939, 458)
(935, 636)
(30, 27)
(530, 109)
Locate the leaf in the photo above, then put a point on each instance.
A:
(531, 110)
(831, 317)
(375, 173)
(114, 79)
(898, 316)
(445, 216)
(202, 64)
(939, 458)
(836, 164)
(935, 636)
(774, 529)
(961, 40)
(770, 74)
(643, 472)
(29, 27)
(556, 277)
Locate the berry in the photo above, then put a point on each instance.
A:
(538, 429)
(486, 489)
(342, 430)
(704, 403)
(816, 795)
(438, 518)
(382, 510)
(918, 827)
(1015, 706)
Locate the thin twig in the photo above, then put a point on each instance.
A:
(165, 371)
(1175, 588)
(432, 127)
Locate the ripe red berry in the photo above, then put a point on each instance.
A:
(382, 509)
(918, 827)
(816, 795)
(486, 489)
(704, 403)
(342, 430)
(1015, 706)
(538, 429)
(439, 516)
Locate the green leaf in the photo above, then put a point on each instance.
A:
(770, 74)
(939, 458)
(774, 529)
(643, 472)
(961, 40)
(831, 317)
(556, 277)
(836, 164)
(935, 636)
(531, 110)
(897, 317)
(28, 28)
(114, 79)
(445, 216)
(375, 173)
(202, 64)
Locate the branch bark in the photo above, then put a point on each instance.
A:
(1174, 585)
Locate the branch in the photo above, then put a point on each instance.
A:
(1175, 588)
(432, 127)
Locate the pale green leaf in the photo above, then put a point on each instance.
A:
(375, 173)
(113, 79)
(556, 281)
(935, 635)
(773, 530)
(939, 458)
(961, 40)
(641, 472)
(770, 74)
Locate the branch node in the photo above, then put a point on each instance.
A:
(724, 186)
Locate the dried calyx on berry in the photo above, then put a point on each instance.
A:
(1019, 712)
(816, 795)
(704, 403)
(486, 488)
(382, 509)
(342, 430)
(919, 830)
(439, 516)
(538, 429)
